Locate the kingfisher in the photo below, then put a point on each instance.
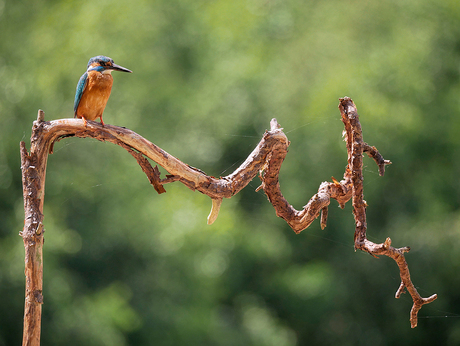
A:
(94, 87)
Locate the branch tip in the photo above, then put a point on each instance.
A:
(324, 212)
(387, 243)
(417, 306)
(40, 116)
(400, 290)
(404, 249)
(215, 208)
(274, 124)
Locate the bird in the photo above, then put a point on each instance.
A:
(94, 87)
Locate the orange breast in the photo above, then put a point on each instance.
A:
(95, 95)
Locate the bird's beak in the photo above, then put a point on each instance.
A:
(116, 67)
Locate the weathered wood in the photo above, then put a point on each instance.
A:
(265, 160)
(358, 147)
(33, 168)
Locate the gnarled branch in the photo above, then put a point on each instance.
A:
(265, 161)
(351, 186)
(350, 116)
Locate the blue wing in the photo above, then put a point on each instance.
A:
(80, 88)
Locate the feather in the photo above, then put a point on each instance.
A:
(80, 89)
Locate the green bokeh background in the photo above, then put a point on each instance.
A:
(125, 266)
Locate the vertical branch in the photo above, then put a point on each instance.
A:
(33, 168)
(355, 142)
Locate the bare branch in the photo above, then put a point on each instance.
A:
(351, 186)
(265, 160)
(373, 153)
(194, 178)
(153, 173)
(354, 135)
(299, 220)
(33, 168)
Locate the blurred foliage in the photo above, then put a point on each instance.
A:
(125, 266)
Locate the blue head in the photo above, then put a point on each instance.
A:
(104, 64)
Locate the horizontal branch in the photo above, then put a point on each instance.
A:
(193, 178)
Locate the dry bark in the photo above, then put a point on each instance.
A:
(265, 161)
